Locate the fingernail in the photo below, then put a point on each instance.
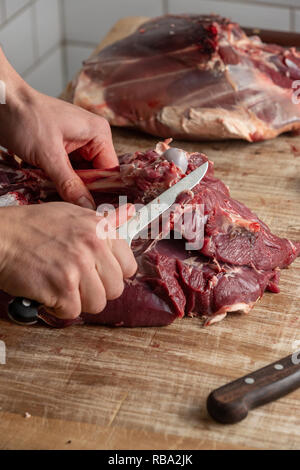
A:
(86, 203)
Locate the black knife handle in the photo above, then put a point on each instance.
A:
(23, 311)
(232, 402)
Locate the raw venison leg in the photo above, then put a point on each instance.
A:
(193, 77)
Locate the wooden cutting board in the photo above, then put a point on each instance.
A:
(100, 388)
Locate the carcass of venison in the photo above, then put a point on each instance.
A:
(239, 259)
(193, 77)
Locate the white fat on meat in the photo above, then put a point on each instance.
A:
(12, 199)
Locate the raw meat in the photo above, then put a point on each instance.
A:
(239, 260)
(193, 77)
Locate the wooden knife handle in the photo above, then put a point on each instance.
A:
(232, 402)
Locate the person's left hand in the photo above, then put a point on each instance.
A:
(43, 131)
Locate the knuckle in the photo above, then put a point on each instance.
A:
(91, 240)
(50, 300)
(104, 124)
(69, 282)
(102, 127)
(69, 186)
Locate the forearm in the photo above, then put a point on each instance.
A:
(43, 131)
(17, 96)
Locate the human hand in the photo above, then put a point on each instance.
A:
(51, 253)
(43, 130)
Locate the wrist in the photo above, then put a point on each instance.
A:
(16, 89)
(17, 98)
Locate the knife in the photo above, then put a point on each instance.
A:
(231, 403)
(25, 311)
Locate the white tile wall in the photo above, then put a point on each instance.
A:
(47, 76)
(75, 55)
(90, 20)
(2, 11)
(17, 42)
(32, 31)
(247, 15)
(287, 3)
(297, 21)
(13, 6)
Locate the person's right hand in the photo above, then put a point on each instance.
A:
(51, 253)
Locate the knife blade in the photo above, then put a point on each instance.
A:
(25, 311)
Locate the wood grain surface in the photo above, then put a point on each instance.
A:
(89, 387)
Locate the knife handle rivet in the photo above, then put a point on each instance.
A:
(249, 380)
(278, 367)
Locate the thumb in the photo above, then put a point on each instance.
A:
(107, 225)
(68, 184)
(121, 215)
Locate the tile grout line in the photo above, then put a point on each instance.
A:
(292, 19)
(165, 7)
(35, 38)
(73, 42)
(4, 11)
(255, 2)
(16, 14)
(64, 55)
(42, 59)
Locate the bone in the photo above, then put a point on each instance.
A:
(95, 180)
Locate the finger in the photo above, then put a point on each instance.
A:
(121, 215)
(125, 257)
(70, 187)
(106, 156)
(120, 248)
(101, 151)
(110, 274)
(68, 307)
(109, 222)
(100, 148)
(92, 293)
